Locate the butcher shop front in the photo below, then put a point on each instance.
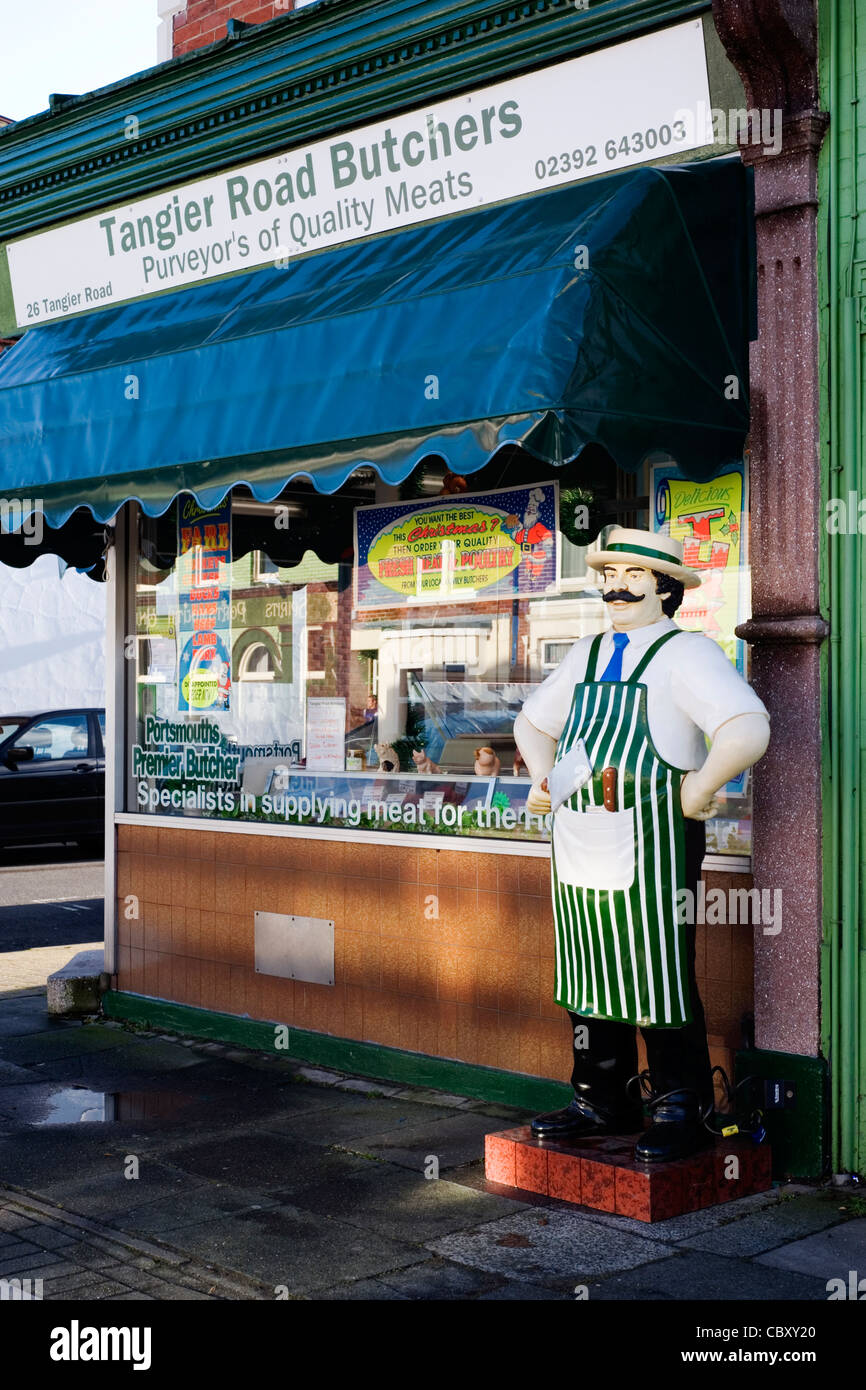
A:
(358, 401)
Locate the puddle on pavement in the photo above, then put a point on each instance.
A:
(75, 1105)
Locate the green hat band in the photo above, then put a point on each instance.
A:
(644, 550)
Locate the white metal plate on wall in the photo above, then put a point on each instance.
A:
(296, 948)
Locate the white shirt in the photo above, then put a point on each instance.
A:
(692, 689)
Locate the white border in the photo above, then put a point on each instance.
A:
(712, 863)
(533, 849)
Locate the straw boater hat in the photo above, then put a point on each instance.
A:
(654, 552)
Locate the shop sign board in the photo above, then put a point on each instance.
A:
(488, 545)
(645, 98)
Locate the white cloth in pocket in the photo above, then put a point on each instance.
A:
(594, 848)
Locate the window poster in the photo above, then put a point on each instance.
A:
(326, 734)
(487, 545)
(711, 520)
(204, 547)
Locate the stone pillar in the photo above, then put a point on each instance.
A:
(773, 45)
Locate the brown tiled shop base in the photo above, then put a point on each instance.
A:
(602, 1173)
(436, 951)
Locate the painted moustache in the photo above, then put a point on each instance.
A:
(622, 596)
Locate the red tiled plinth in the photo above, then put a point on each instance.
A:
(601, 1173)
(500, 1154)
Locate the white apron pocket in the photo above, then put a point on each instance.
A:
(594, 848)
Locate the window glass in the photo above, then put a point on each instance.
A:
(279, 680)
(62, 736)
(8, 726)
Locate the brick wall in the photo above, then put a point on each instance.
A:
(204, 21)
(474, 983)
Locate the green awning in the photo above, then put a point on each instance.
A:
(615, 311)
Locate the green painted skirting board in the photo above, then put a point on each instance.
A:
(798, 1135)
(346, 1054)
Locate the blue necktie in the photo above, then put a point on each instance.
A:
(613, 669)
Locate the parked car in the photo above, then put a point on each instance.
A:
(52, 777)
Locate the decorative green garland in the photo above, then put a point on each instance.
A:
(571, 501)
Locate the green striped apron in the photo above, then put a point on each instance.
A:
(620, 951)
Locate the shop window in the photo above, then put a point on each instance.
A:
(278, 681)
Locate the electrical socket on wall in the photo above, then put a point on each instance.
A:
(779, 1095)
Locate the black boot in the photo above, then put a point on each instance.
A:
(677, 1129)
(582, 1118)
(601, 1067)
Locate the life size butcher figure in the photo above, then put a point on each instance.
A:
(630, 838)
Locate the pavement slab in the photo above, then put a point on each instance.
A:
(702, 1276)
(440, 1279)
(107, 1195)
(436, 1280)
(49, 1157)
(361, 1291)
(295, 1250)
(398, 1204)
(553, 1246)
(70, 1040)
(422, 1095)
(830, 1254)
(693, 1223)
(25, 1014)
(166, 1216)
(776, 1225)
(518, 1291)
(266, 1162)
(12, 1075)
(120, 1067)
(356, 1119)
(452, 1140)
(14, 1262)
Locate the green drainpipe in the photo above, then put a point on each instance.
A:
(828, 236)
(843, 961)
(847, 957)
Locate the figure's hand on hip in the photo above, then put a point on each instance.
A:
(693, 799)
(538, 800)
